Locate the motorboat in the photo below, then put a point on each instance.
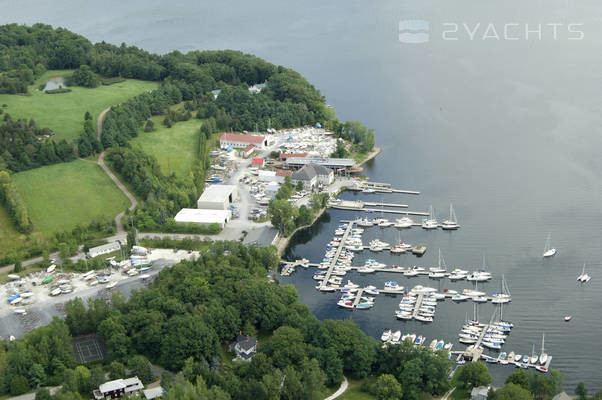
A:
(51, 268)
(392, 285)
(459, 297)
(365, 222)
(111, 285)
(385, 223)
(397, 249)
(503, 358)
(548, 250)
(433, 344)
(395, 336)
(386, 336)
(480, 299)
(440, 344)
(368, 190)
(371, 290)
(451, 223)
(419, 340)
(365, 270)
(345, 303)
(567, 318)
(510, 357)
(364, 305)
(403, 315)
(517, 357)
(431, 221)
(423, 318)
(404, 223)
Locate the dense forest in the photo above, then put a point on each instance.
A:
(187, 317)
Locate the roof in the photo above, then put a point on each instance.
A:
(153, 393)
(105, 247)
(119, 384)
(246, 343)
(307, 173)
(249, 148)
(257, 161)
(202, 216)
(561, 396)
(282, 172)
(236, 137)
(217, 193)
(481, 390)
(284, 156)
(329, 162)
(321, 170)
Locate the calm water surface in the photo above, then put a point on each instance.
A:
(507, 130)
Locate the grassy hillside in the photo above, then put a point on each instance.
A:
(9, 237)
(61, 196)
(175, 148)
(64, 113)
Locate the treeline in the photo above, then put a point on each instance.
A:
(163, 195)
(196, 307)
(24, 146)
(16, 208)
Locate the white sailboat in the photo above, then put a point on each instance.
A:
(440, 271)
(533, 359)
(431, 221)
(451, 223)
(584, 277)
(549, 251)
(543, 357)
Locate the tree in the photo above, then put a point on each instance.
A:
(43, 394)
(520, 378)
(472, 375)
(82, 377)
(282, 214)
(141, 367)
(510, 391)
(131, 238)
(340, 151)
(19, 385)
(116, 370)
(299, 186)
(85, 77)
(18, 267)
(597, 395)
(149, 126)
(387, 388)
(581, 391)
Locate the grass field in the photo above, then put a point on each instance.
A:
(354, 392)
(61, 196)
(174, 148)
(9, 236)
(64, 113)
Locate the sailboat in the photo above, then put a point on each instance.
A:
(405, 222)
(549, 251)
(533, 359)
(543, 357)
(584, 277)
(431, 221)
(451, 223)
(440, 271)
(504, 295)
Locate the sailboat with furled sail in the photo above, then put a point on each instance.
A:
(451, 223)
(548, 250)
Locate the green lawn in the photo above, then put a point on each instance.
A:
(61, 196)
(175, 148)
(64, 113)
(354, 392)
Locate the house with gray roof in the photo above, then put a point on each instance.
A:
(312, 175)
(479, 393)
(562, 396)
(245, 347)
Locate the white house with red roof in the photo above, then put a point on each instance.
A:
(247, 151)
(238, 141)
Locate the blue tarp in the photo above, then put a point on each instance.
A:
(14, 296)
(318, 125)
(216, 179)
(230, 148)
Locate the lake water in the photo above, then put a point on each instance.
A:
(55, 83)
(507, 130)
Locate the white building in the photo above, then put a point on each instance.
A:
(271, 189)
(238, 141)
(118, 388)
(217, 197)
(204, 216)
(104, 249)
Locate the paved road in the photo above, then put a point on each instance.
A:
(121, 186)
(340, 391)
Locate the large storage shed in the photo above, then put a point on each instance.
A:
(217, 197)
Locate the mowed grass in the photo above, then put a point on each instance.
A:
(60, 196)
(9, 236)
(354, 392)
(64, 113)
(174, 148)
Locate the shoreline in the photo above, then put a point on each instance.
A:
(282, 243)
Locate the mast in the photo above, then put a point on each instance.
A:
(543, 336)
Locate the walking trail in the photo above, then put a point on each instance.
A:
(340, 391)
(121, 186)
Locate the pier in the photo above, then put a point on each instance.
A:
(477, 351)
(384, 188)
(358, 297)
(417, 305)
(337, 254)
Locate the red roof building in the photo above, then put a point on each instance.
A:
(257, 162)
(246, 152)
(284, 156)
(282, 172)
(238, 141)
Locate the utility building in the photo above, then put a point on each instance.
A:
(218, 197)
(238, 141)
(203, 217)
